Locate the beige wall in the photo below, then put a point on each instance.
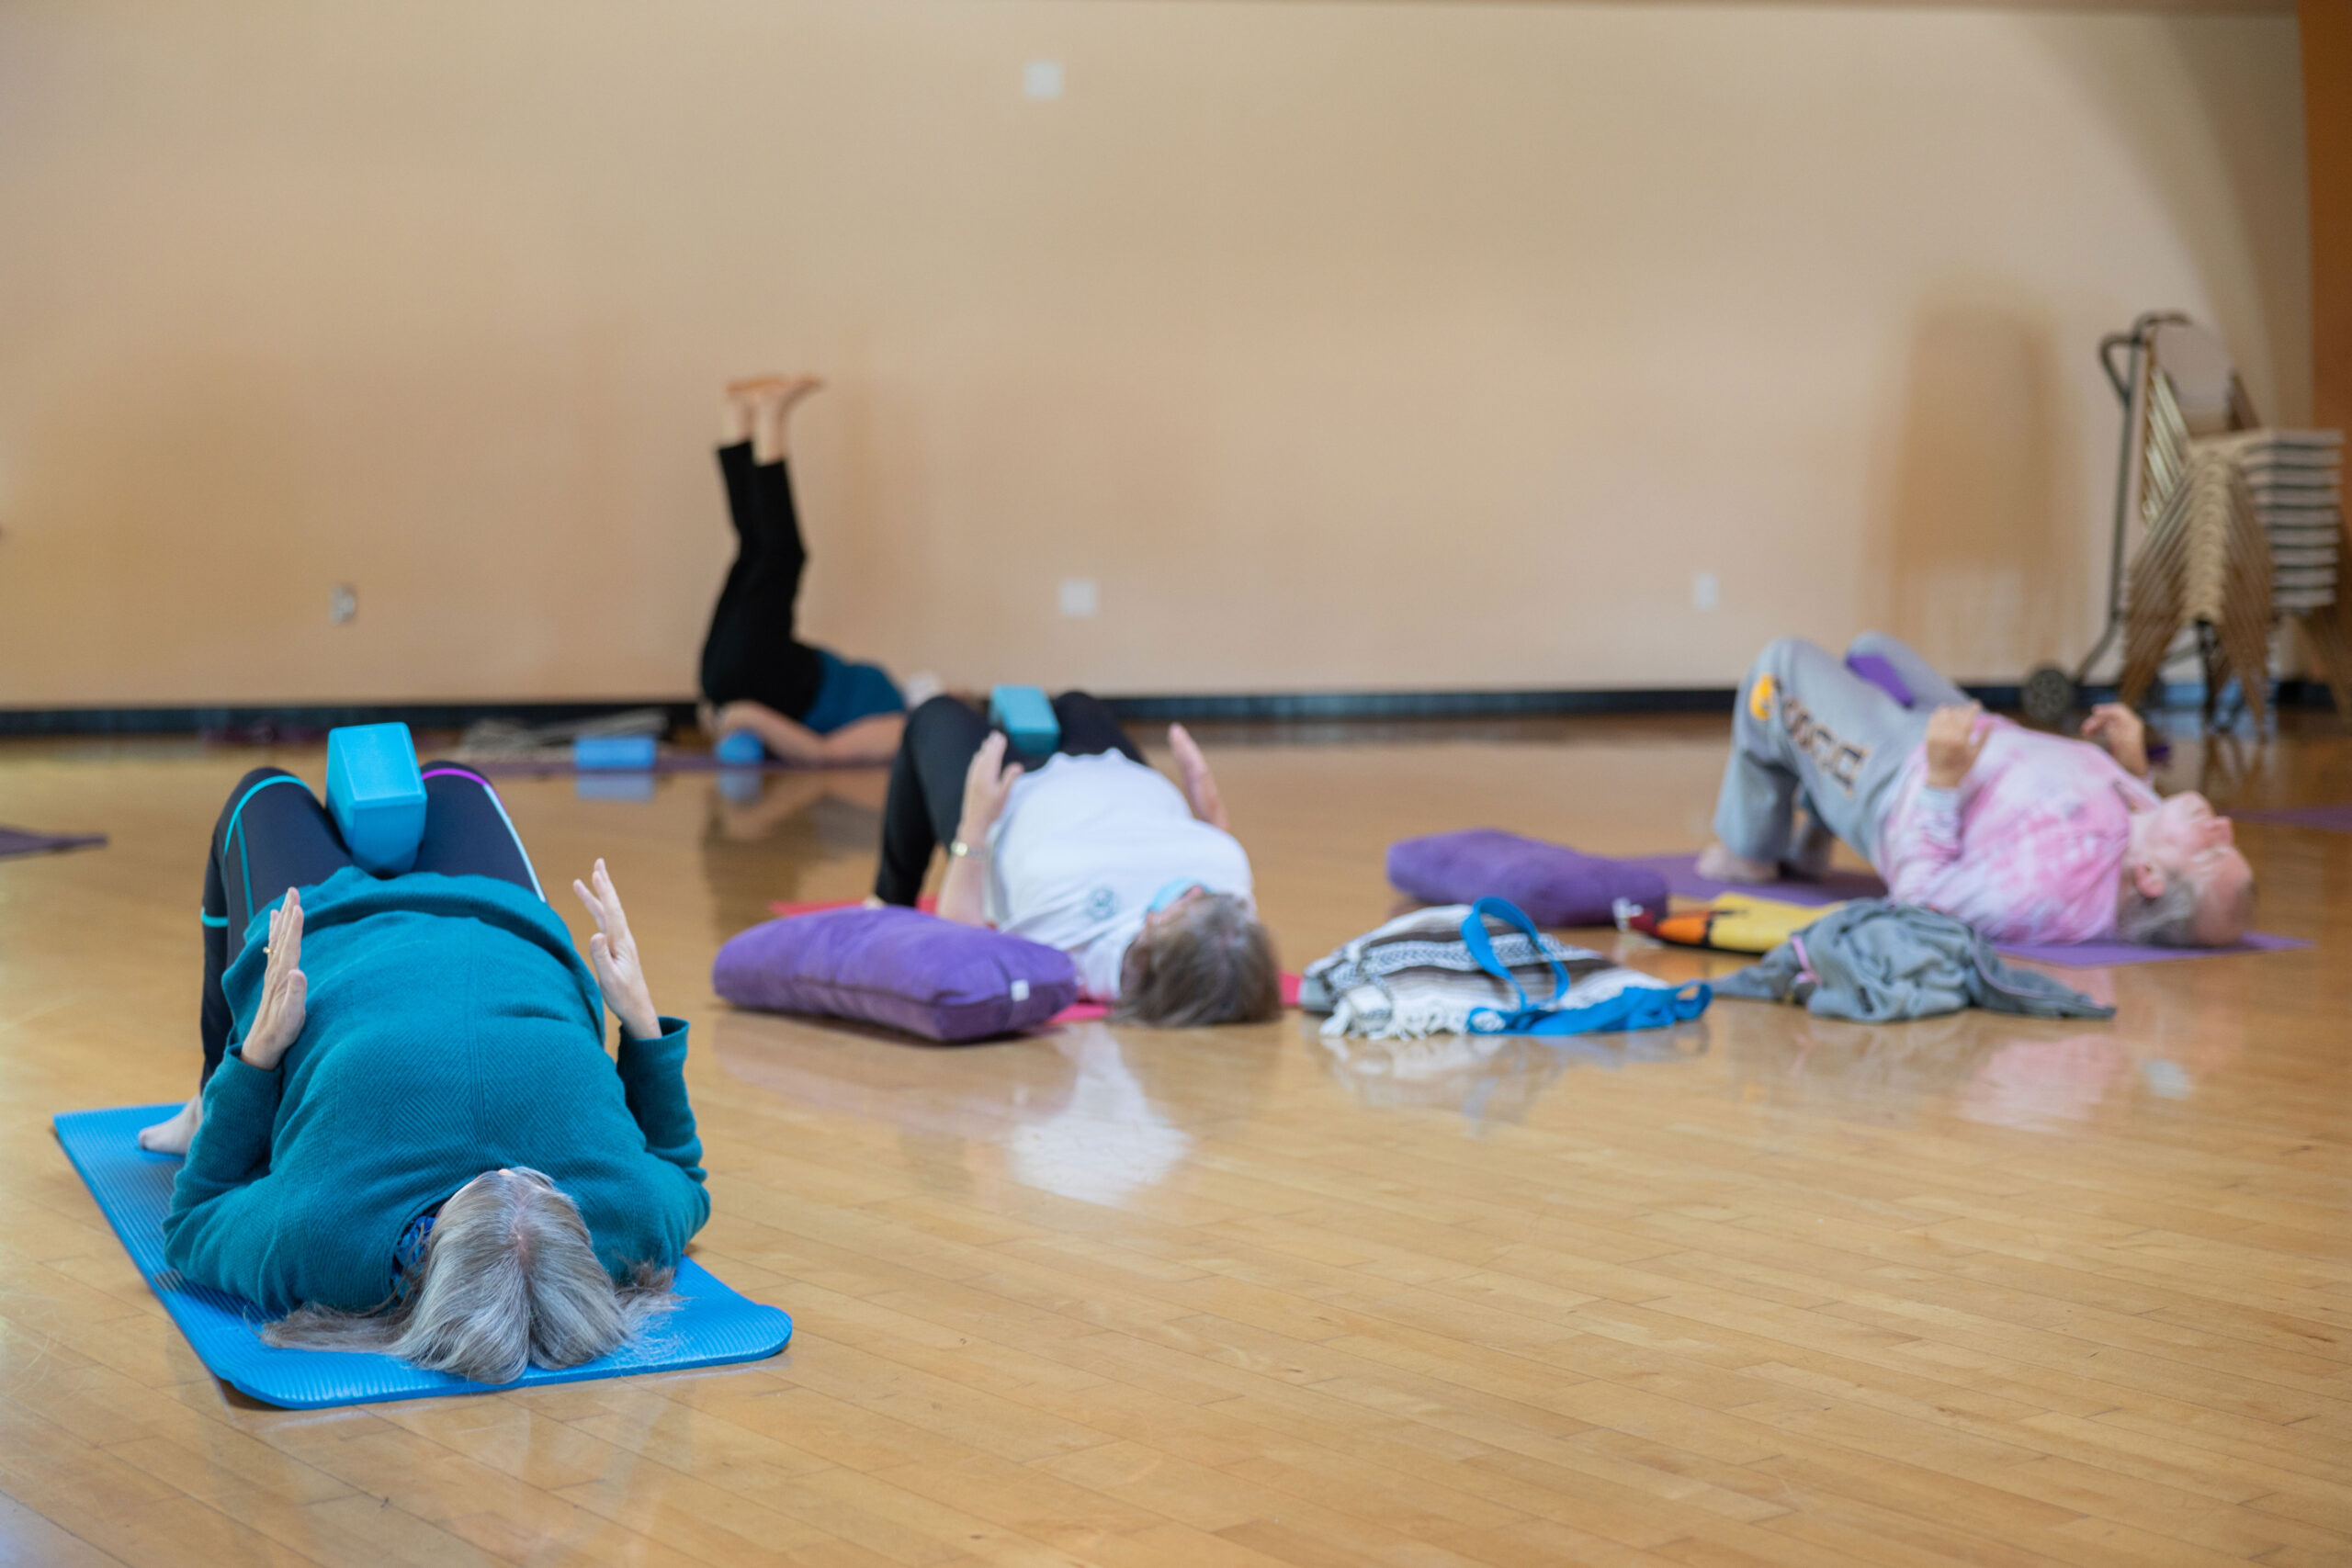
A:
(1347, 344)
(2327, 59)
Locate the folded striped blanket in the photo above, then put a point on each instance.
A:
(1415, 977)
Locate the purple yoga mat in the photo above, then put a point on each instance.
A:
(2102, 954)
(24, 842)
(1681, 874)
(668, 761)
(2334, 818)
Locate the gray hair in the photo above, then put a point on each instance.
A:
(1210, 961)
(2169, 920)
(510, 1280)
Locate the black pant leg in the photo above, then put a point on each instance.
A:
(926, 794)
(726, 650)
(1088, 727)
(783, 561)
(751, 652)
(273, 835)
(467, 831)
(780, 516)
(212, 1017)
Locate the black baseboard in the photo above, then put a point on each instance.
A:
(1357, 706)
(295, 721)
(1360, 707)
(308, 721)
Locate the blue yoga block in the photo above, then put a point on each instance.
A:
(615, 754)
(375, 795)
(740, 749)
(1026, 717)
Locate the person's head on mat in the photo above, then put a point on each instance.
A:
(2185, 881)
(1201, 958)
(509, 1280)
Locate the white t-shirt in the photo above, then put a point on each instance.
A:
(1083, 845)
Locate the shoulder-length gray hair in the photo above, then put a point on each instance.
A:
(2169, 920)
(510, 1280)
(1211, 962)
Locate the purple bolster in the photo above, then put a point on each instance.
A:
(1553, 884)
(899, 967)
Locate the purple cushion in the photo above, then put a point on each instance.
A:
(901, 967)
(1553, 884)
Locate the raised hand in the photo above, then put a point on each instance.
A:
(988, 783)
(612, 953)
(2123, 733)
(1954, 742)
(1200, 785)
(285, 989)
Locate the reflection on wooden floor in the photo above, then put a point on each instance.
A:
(1768, 1290)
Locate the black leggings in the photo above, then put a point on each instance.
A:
(751, 654)
(927, 798)
(274, 835)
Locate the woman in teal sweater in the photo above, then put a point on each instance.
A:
(410, 1137)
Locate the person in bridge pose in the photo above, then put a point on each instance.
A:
(409, 1137)
(2028, 837)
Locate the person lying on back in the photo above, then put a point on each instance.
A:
(409, 1138)
(2028, 837)
(1094, 851)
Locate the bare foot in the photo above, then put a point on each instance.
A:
(1719, 864)
(771, 406)
(174, 1137)
(738, 413)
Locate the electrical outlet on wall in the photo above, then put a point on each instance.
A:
(343, 603)
(1081, 598)
(1042, 79)
(1705, 590)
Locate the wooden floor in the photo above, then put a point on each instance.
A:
(1972, 1290)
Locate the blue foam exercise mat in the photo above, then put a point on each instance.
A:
(133, 1188)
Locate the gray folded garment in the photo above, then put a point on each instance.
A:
(1874, 962)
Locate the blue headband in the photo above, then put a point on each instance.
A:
(1171, 891)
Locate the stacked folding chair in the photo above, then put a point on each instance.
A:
(2296, 479)
(2242, 523)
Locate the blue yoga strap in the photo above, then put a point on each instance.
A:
(1635, 1007)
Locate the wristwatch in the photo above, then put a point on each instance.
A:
(959, 849)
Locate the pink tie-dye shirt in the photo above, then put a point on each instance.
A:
(2030, 848)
